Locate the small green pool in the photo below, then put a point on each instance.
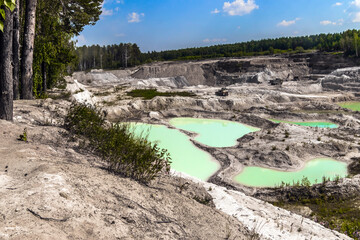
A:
(314, 171)
(214, 132)
(308, 124)
(355, 106)
(186, 157)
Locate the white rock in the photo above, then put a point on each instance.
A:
(154, 115)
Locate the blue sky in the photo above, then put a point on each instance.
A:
(173, 24)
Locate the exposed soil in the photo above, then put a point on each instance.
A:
(50, 189)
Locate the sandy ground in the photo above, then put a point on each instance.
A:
(49, 190)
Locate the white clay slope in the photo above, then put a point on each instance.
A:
(268, 221)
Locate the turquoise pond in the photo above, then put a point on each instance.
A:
(314, 170)
(214, 132)
(308, 124)
(186, 157)
(189, 159)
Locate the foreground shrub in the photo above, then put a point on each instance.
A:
(127, 154)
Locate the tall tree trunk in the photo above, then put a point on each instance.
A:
(356, 39)
(44, 80)
(28, 50)
(126, 56)
(16, 49)
(6, 73)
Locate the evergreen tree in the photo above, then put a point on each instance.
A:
(6, 80)
(45, 28)
(356, 42)
(16, 50)
(6, 74)
(28, 50)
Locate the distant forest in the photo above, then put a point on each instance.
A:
(129, 55)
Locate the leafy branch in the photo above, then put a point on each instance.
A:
(10, 4)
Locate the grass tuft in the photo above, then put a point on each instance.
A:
(338, 214)
(151, 93)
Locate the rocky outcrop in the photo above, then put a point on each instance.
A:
(258, 70)
(223, 72)
(322, 63)
(228, 71)
(344, 79)
(191, 71)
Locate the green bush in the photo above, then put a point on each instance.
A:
(23, 137)
(305, 182)
(151, 93)
(127, 154)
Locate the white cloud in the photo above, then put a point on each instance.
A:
(106, 12)
(135, 17)
(337, 4)
(215, 11)
(357, 17)
(120, 1)
(214, 40)
(80, 40)
(356, 3)
(327, 22)
(239, 7)
(120, 35)
(285, 23)
(354, 11)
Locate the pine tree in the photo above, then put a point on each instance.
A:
(16, 50)
(6, 74)
(27, 56)
(356, 42)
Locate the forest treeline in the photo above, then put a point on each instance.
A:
(115, 56)
(36, 47)
(129, 55)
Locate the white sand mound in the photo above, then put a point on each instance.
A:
(268, 221)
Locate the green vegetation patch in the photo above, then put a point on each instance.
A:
(322, 112)
(62, 95)
(125, 153)
(354, 106)
(151, 93)
(342, 215)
